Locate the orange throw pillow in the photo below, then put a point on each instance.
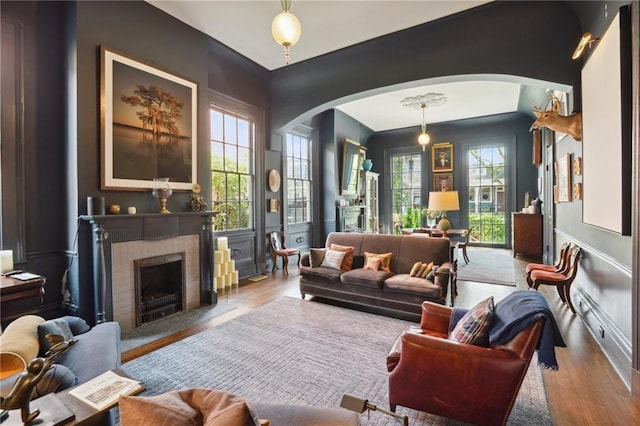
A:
(347, 261)
(372, 264)
(385, 264)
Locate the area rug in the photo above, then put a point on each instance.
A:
(155, 330)
(487, 265)
(292, 351)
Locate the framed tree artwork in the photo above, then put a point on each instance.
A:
(442, 157)
(148, 125)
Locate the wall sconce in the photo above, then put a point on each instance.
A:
(585, 41)
(286, 28)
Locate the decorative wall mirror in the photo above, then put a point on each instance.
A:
(351, 163)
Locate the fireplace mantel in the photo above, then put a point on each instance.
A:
(96, 235)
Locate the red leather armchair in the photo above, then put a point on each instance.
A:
(470, 383)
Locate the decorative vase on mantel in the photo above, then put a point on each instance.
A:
(367, 164)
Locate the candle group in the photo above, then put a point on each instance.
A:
(6, 261)
(224, 269)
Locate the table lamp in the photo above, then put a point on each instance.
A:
(443, 201)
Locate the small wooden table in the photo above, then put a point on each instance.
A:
(63, 409)
(14, 290)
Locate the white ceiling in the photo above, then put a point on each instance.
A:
(329, 25)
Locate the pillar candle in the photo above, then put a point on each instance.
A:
(217, 257)
(232, 266)
(226, 255)
(223, 243)
(6, 261)
(235, 277)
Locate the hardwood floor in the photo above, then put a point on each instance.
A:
(584, 391)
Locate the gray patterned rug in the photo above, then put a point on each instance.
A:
(155, 330)
(487, 265)
(292, 351)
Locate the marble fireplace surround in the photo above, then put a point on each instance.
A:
(116, 241)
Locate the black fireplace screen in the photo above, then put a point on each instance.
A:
(160, 286)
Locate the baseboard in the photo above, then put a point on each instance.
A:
(610, 338)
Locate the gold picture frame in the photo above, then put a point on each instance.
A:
(442, 157)
(443, 181)
(274, 205)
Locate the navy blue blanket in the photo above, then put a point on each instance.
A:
(516, 312)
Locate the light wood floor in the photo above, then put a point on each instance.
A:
(584, 391)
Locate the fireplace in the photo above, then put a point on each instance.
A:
(160, 286)
(108, 246)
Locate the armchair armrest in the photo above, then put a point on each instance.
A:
(435, 317)
(432, 371)
(304, 259)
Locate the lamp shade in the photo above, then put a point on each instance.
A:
(286, 29)
(443, 200)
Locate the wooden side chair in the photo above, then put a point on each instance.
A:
(562, 280)
(278, 249)
(560, 266)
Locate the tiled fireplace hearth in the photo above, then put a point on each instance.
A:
(110, 246)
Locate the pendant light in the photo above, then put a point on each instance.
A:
(424, 137)
(286, 29)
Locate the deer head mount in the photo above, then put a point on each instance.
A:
(571, 124)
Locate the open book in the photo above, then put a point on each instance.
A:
(103, 391)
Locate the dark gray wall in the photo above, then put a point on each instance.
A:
(44, 189)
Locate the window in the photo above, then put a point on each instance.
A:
(487, 185)
(298, 179)
(406, 185)
(232, 159)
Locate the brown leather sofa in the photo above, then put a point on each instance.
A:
(394, 293)
(465, 382)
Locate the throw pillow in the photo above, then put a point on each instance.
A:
(427, 269)
(347, 262)
(385, 264)
(473, 327)
(187, 407)
(316, 256)
(19, 344)
(415, 268)
(373, 264)
(54, 326)
(76, 324)
(333, 259)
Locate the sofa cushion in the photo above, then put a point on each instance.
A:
(347, 261)
(316, 256)
(365, 278)
(55, 326)
(333, 259)
(404, 283)
(473, 327)
(56, 379)
(94, 352)
(321, 273)
(206, 407)
(19, 344)
(386, 259)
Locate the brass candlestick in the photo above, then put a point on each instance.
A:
(162, 191)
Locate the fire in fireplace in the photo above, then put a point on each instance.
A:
(160, 286)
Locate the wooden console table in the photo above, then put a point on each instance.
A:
(15, 290)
